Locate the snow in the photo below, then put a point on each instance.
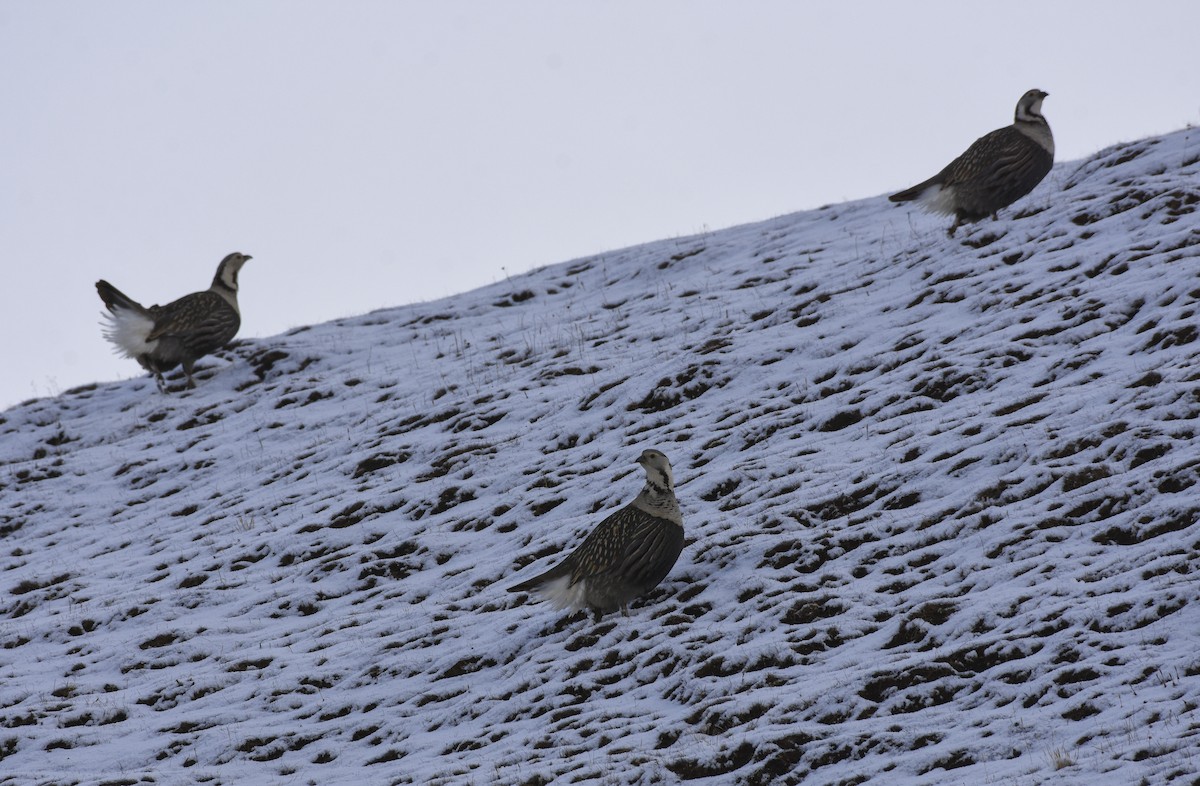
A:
(940, 497)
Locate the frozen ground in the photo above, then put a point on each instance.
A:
(940, 496)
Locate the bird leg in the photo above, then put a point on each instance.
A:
(162, 383)
(187, 369)
(958, 221)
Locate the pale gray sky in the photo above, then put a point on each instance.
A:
(372, 154)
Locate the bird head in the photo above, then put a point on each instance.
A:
(227, 271)
(1030, 105)
(658, 469)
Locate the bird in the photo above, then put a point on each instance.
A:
(996, 170)
(628, 554)
(184, 330)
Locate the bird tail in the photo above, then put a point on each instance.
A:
(127, 322)
(128, 331)
(557, 587)
(916, 192)
(529, 586)
(539, 581)
(114, 299)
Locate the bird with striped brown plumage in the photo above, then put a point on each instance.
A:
(626, 555)
(184, 330)
(996, 170)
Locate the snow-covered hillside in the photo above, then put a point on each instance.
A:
(941, 500)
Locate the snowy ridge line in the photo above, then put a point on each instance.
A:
(939, 496)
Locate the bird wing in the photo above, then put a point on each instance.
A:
(976, 159)
(1004, 157)
(652, 551)
(974, 162)
(198, 318)
(626, 543)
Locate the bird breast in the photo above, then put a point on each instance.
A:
(660, 506)
(1040, 133)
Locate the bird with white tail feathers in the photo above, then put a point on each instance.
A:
(626, 555)
(179, 333)
(996, 170)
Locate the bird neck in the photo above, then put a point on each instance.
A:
(659, 501)
(1036, 128)
(226, 292)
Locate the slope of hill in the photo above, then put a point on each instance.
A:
(940, 498)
